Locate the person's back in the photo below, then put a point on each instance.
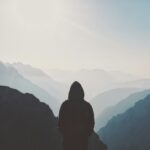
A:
(76, 120)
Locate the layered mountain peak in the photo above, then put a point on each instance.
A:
(129, 130)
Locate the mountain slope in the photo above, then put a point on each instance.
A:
(119, 108)
(28, 124)
(110, 98)
(130, 130)
(10, 77)
(40, 78)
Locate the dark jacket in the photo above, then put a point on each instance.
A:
(76, 117)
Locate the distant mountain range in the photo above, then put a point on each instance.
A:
(130, 130)
(67, 75)
(98, 81)
(110, 98)
(119, 108)
(94, 81)
(28, 124)
(43, 80)
(9, 76)
(103, 88)
(141, 83)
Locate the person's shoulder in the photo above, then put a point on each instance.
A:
(65, 103)
(87, 103)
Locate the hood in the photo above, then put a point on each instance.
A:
(76, 92)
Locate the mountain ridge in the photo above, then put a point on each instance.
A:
(9, 76)
(119, 108)
(110, 98)
(129, 130)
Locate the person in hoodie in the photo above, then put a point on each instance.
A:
(76, 119)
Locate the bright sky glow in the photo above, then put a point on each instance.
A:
(76, 34)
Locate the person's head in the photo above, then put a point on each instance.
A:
(76, 91)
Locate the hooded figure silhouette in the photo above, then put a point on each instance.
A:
(76, 119)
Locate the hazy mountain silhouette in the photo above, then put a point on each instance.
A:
(40, 78)
(130, 130)
(140, 83)
(119, 108)
(68, 76)
(10, 77)
(28, 124)
(110, 98)
(98, 79)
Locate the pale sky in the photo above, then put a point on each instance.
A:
(76, 34)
